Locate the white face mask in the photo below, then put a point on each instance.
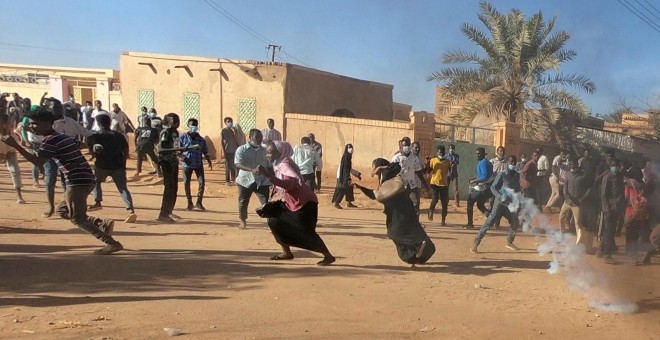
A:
(512, 167)
(406, 149)
(349, 150)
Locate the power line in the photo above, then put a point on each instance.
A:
(648, 22)
(247, 28)
(650, 4)
(55, 49)
(648, 10)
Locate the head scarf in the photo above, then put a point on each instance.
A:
(284, 165)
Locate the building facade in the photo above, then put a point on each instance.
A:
(250, 92)
(32, 81)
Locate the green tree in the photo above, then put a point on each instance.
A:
(518, 78)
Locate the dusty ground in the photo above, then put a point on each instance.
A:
(214, 281)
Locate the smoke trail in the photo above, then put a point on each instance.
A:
(568, 257)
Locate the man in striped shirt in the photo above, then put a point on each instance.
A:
(77, 173)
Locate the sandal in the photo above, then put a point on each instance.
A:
(280, 258)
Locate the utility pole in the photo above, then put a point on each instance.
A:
(274, 47)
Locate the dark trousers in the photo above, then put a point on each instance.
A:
(170, 171)
(480, 198)
(340, 192)
(309, 180)
(74, 208)
(441, 192)
(230, 168)
(318, 179)
(50, 177)
(244, 195)
(531, 193)
(187, 177)
(610, 221)
(141, 153)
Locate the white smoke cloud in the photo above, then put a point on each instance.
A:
(568, 258)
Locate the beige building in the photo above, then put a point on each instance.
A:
(634, 124)
(31, 81)
(250, 92)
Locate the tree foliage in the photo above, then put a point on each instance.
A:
(516, 74)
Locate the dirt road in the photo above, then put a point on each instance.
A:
(211, 280)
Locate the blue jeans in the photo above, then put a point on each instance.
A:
(119, 177)
(50, 177)
(499, 210)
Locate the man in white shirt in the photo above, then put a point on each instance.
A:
(270, 134)
(120, 121)
(98, 111)
(559, 168)
(305, 158)
(411, 170)
(543, 171)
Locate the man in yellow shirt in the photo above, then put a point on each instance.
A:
(440, 166)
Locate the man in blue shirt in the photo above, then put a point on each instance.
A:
(250, 180)
(504, 188)
(479, 187)
(192, 162)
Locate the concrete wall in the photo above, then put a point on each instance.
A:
(220, 84)
(321, 93)
(26, 90)
(370, 138)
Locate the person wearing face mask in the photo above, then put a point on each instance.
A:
(455, 160)
(192, 162)
(143, 113)
(499, 165)
(156, 122)
(504, 188)
(612, 198)
(250, 179)
(98, 111)
(344, 181)
(87, 110)
(440, 166)
(232, 137)
(576, 190)
(411, 172)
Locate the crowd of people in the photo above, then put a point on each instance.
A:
(595, 198)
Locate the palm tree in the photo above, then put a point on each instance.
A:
(518, 79)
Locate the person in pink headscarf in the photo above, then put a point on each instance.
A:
(296, 224)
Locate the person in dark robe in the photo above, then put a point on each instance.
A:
(412, 243)
(344, 187)
(295, 225)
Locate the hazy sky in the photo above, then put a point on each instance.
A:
(395, 42)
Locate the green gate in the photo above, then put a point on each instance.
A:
(247, 113)
(191, 107)
(145, 98)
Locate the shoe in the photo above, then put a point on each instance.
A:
(647, 258)
(175, 216)
(443, 223)
(242, 225)
(190, 206)
(512, 246)
(279, 257)
(474, 247)
(599, 254)
(131, 218)
(95, 207)
(336, 205)
(351, 205)
(608, 259)
(20, 201)
(328, 259)
(429, 215)
(166, 219)
(109, 249)
(228, 184)
(200, 207)
(108, 226)
(153, 172)
(468, 226)
(420, 250)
